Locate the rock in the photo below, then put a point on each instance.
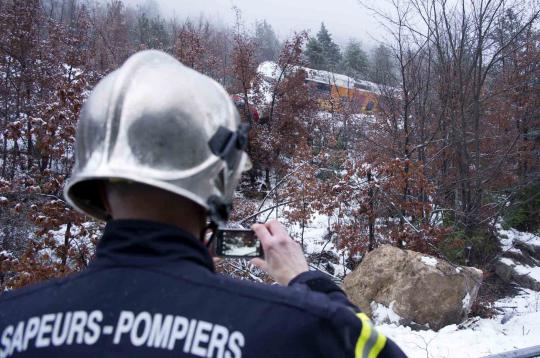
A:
(520, 260)
(324, 257)
(511, 268)
(419, 288)
(530, 248)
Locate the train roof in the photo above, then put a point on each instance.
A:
(270, 70)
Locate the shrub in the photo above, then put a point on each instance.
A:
(524, 215)
(476, 249)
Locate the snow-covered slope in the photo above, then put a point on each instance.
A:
(517, 326)
(520, 260)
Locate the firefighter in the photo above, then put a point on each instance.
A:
(159, 151)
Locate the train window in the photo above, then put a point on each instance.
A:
(323, 87)
(361, 86)
(370, 105)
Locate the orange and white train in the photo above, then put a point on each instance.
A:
(334, 91)
(337, 91)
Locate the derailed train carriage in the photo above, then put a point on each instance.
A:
(340, 92)
(334, 92)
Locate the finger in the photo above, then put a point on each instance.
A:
(217, 260)
(260, 263)
(276, 229)
(262, 233)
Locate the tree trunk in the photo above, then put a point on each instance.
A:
(65, 249)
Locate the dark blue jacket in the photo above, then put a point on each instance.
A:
(152, 292)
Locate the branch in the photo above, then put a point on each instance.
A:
(265, 210)
(279, 183)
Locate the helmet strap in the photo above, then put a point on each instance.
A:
(224, 143)
(218, 214)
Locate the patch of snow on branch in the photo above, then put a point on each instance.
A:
(7, 254)
(430, 261)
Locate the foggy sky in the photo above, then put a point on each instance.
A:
(344, 19)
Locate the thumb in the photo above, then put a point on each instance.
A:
(260, 263)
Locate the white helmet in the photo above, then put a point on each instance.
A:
(157, 122)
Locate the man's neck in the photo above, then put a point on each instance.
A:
(194, 227)
(141, 202)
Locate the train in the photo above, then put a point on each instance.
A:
(334, 91)
(340, 92)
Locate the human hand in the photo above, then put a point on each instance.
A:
(283, 257)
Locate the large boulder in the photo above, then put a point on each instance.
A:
(420, 289)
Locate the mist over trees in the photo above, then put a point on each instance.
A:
(268, 45)
(377, 65)
(383, 68)
(451, 151)
(355, 60)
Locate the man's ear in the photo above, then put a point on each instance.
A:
(103, 190)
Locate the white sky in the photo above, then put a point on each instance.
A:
(344, 19)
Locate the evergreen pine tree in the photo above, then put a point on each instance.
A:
(314, 53)
(330, 50)
(322, 52)
(355, 62)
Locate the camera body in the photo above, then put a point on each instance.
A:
(237, 243)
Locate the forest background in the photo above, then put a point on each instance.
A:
(451, 153)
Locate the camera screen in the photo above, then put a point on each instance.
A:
(240, 243)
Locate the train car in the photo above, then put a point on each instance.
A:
(334, 91)
(337, 91)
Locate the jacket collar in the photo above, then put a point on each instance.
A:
(148, 243)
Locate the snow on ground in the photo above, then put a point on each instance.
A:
(517, 326)
(533, 272)
(269, 70)
(316, 241)
(507, 238)
(384, 314)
